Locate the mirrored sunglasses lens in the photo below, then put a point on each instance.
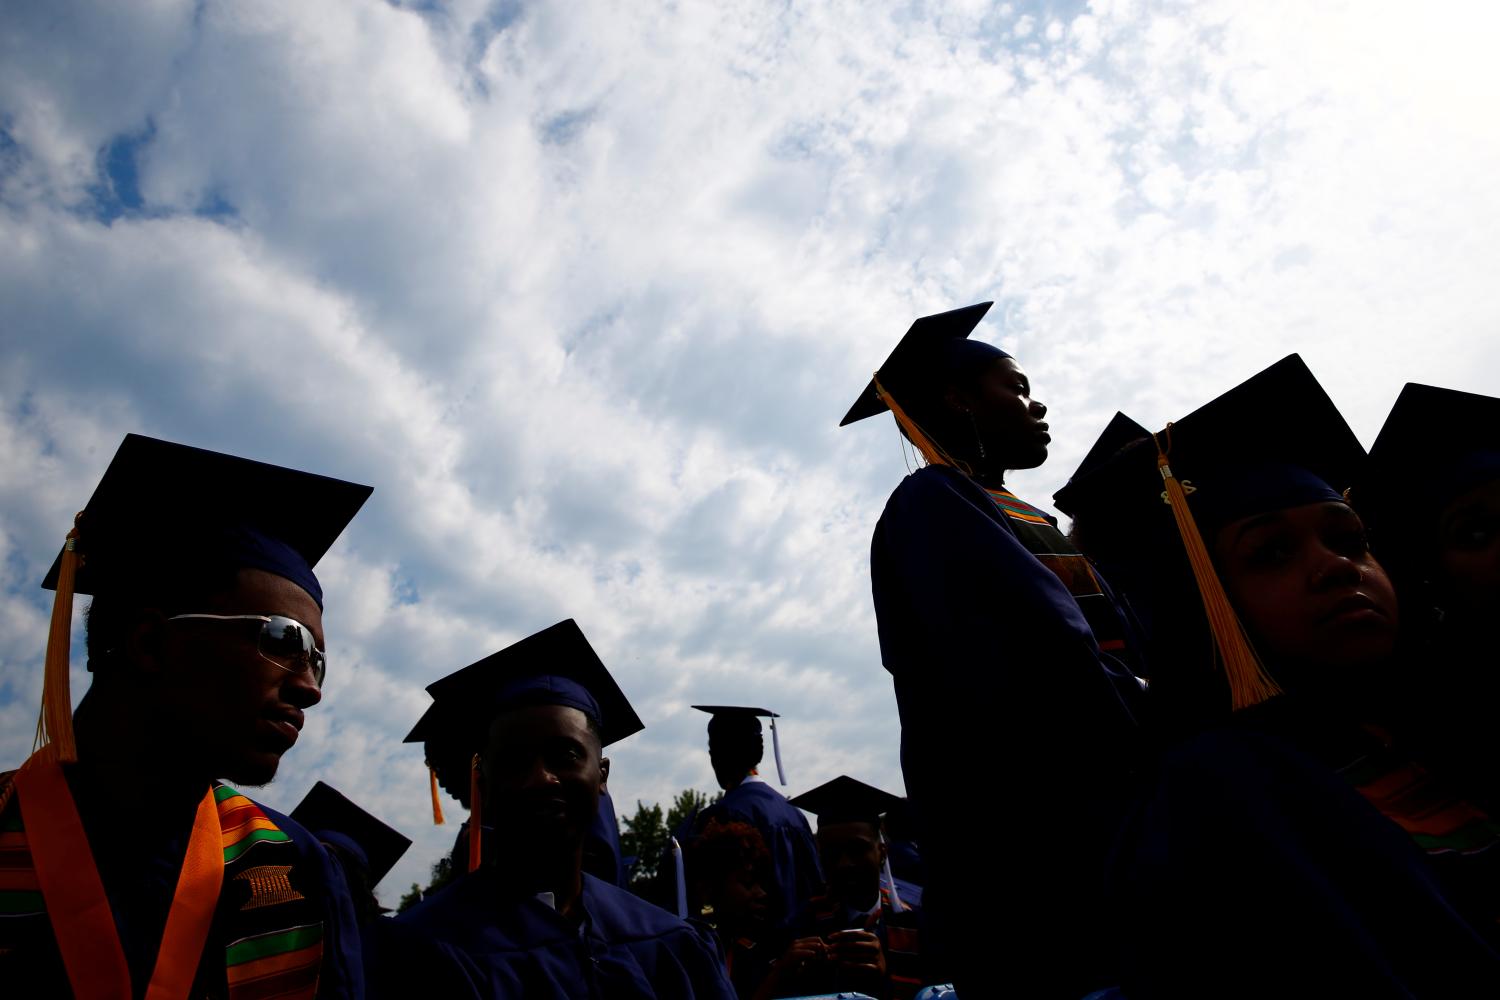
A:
(287, 639)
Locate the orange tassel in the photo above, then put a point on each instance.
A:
(930, 450)
(1249, 684)
(54, 728)
(476, 819)
(437, 806)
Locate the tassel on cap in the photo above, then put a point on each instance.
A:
(931, 452)
(54, 728)
(776, 751)
(437, 805)
(476, 817)
(681, 876)
(1249, 684)
(890, 880)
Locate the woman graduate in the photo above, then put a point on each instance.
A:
(1012, 673)
(1285, 845)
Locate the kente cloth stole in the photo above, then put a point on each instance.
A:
(1053, 550)
(1432, 813)
(271, 933)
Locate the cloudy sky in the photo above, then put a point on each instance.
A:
(584, 288)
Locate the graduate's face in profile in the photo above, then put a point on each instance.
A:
(543, 772)
(1469, 551)
(1307, 587)
(1008, 420)
(234, 710)
(852, 855)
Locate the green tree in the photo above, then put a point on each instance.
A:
(648, 836)
(442, 874)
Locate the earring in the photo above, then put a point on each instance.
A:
(977, 439)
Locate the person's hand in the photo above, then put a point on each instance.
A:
(786, 970)
(802, 953)
(857, 949)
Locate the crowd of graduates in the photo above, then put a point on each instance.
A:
(1229, 735)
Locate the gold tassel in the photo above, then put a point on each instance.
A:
(54, 728)
(1249, 684)
(931, 451)
(437, 806)
(476, 820)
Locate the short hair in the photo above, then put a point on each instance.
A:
(110, 614)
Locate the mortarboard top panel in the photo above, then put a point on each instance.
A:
(1120, 432)
(436, 722)
(1435, 445)
(326, 810)
(1258, 447)
(1434, 438)
(846, 799)
(741, 710)
(554, 666)
(161, 505)
(917, 357)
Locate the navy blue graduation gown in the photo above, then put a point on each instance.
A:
(1253, 870)
(794, 852)
(467, 940)
(1017, 739)
(601, 854)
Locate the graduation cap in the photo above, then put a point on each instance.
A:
(331, 817)
(934, 350)
(167, 509)
(555, 666)
(169, 514)
(1120, 432)
(1436, 445)
(847, 800)
(1274, 441)
(742, 722)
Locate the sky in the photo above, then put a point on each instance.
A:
(584, 289)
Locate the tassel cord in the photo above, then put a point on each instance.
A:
(1249, 683)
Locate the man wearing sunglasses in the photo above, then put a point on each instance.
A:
(126, 867)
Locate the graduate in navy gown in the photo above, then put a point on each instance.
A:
(1432, 501)
(527, 920)
(1013, 671)
(735, 748)
(1282, 821)
(364, 847)
(448, 764)
(125, 865)
(870, 935)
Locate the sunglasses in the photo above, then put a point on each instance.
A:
(284, 641)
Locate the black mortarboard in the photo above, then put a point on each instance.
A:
(846, 800)
(329, 815)
(934, 348)
(165, 515)
(167, 509)
(1271, 442)
(1436, 444)
(1274, 441)
(1119, 432)
(743, 722)
(555, 666)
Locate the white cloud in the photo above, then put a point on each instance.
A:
(584, 290)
